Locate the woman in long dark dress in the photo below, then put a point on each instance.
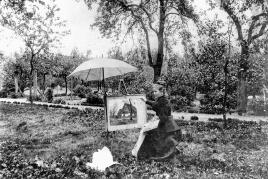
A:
(159, 143)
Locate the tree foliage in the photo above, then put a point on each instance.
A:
(159, 18)
(65, 64)
(211, 64)
(20, 67)
(250, 19)
(38, 26)
(182, 80)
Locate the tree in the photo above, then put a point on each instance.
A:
(39, 27)
(161, 18)
(116, 53)
(218, 79)
(46, 65)
(65, 65)
(17, 5)
(182, 80)
(16, 74)
(256, 74)
(249, 28)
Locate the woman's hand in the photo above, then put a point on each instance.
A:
(143, 99)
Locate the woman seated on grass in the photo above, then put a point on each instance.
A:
(159, 143)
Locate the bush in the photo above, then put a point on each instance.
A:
(34, 98)
(81, 91)
(257, 106)
(192, 110)
(49, 95)
(63, 94)
(179, 103)
(215, 119)
(212, 103)
(3, 93)
(59, 101)
(14, 95)
(194, 118)
(93, 99)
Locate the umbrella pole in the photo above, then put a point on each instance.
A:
(105, 105)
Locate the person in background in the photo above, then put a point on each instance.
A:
(159, 143)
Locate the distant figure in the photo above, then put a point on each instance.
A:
(159, 143)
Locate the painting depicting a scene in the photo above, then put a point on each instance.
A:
(127, 114)
(126, 111)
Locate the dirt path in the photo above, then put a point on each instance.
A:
(205, 117)
(176, 115)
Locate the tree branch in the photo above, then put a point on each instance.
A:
(147, 37)
(129, 7)
(150, 19)
(129, 29)
(253, 26)
(231, 14)
(261, 32)
(172, 13)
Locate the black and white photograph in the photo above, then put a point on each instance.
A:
(134, 89)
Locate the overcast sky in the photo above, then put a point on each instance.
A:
(79, 19)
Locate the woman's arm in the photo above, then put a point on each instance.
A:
(150, 102)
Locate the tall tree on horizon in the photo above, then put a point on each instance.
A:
(160, 18)
(250, 19)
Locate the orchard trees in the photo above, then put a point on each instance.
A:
(16, 74)
(65, 65)
(39, 27)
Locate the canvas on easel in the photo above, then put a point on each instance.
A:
(126, 112)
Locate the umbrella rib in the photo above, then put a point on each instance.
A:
(119, 71)
(88, 73)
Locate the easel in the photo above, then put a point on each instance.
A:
(122, 85)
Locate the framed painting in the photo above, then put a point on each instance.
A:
(126, 112)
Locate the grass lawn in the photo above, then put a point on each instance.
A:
(41, 142)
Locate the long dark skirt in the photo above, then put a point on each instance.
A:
(155, 145)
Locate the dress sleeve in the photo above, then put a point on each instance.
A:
(150, 102)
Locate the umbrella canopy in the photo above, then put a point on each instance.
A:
(99, 68)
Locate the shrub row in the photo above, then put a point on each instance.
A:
(45, 105)
(217, 123)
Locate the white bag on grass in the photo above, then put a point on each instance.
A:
(101, 159)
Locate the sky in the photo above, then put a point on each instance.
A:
(78, 20)
(82, 36)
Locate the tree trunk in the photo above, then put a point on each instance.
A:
(225, 91)
(16, 83)
(34, 83)
(31, 78)
(242, 79)
(160, 54)
(157, 72)
(66, 83)
(44, 82)
(242, 93)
